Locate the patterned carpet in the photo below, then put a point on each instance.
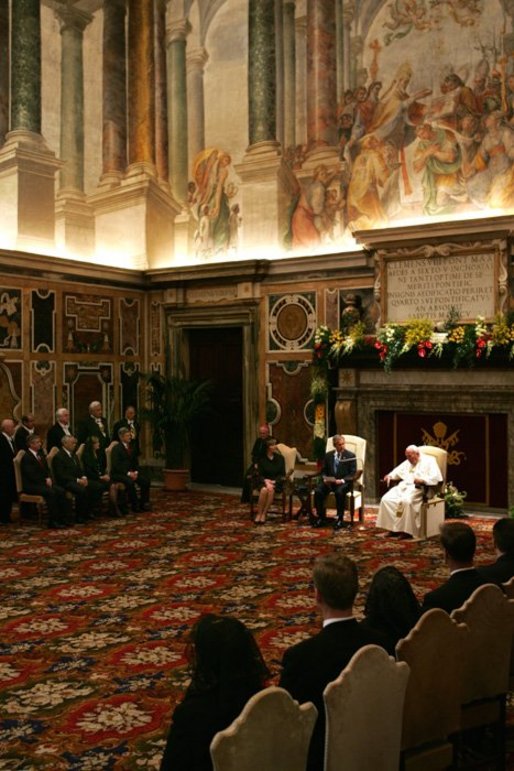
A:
(93, 619)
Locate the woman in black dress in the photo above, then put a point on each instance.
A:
(391, 606)
(227, 669)
(272, 471)
(93, 463)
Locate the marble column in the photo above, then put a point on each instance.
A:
(176, 34)
(262, 72)
(266, 180)
(4, 69)
(321, 76)
(289, 74)
(161, 99)
(196, 61)
(74, 216)
(134, 220)
(356, 49)
(73, 23)
(141, 87)
(27, 166)
(301, 80)
(279, 76)
(348, 14)
(114, 97)
(339, 50)
(26, 66)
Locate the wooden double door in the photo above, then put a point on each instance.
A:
(216, 354)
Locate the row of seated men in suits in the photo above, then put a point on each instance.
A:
(86, 483)
(227, 667)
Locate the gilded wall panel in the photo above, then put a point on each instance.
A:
(87, 323)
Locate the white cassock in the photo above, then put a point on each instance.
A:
(400, 507)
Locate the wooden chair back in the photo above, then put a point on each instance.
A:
(272, 732)
(370, 691)
(36, 500)
(489, 614)
(434, 651)
(108, 451)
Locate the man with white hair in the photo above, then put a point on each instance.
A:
(400, 507)
(60, 428)
(95, 425)
(7, 477)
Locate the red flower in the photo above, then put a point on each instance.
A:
(481, 343)
(422, 352)
(428, 344)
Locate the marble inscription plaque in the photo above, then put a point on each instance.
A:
(429, 288)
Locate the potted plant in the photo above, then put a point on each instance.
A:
(175, 403)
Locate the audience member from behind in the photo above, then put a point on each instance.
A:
(391, 607)
(310, 665)
(503, 538)
(459, 544)
(227, 669)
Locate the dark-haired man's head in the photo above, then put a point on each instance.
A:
(336, 584)
(503, 535)
(459, 543)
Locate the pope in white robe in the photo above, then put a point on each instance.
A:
(400, 507)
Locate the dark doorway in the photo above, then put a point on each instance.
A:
(216, 354)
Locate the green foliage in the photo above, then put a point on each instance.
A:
(175, 403)
(454, 500)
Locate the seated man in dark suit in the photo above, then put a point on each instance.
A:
(502, 570)
(60, 428)
(125, 468)
(339, 468)
(129, 421)
(459, 544)
(310, 665)
(68, 474)
(36, 480)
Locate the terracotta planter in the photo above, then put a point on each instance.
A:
(176, 479)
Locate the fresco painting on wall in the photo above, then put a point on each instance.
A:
(420, 127)
(10, 318)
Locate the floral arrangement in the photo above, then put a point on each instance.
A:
(466, 342)
(453, 501)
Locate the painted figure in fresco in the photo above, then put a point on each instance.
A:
(310, 221)
(234, 222)
(369, 175)
(203, 240)
(488, 175)
(396, 106)
(210, 171)
(438, 158)
(9, 317)
(456, 101)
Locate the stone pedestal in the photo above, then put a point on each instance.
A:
(266, 188)
(185, 229)
(74, 224)
(134, 221)
(27, 187)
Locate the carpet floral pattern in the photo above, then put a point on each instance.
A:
(94, 620)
